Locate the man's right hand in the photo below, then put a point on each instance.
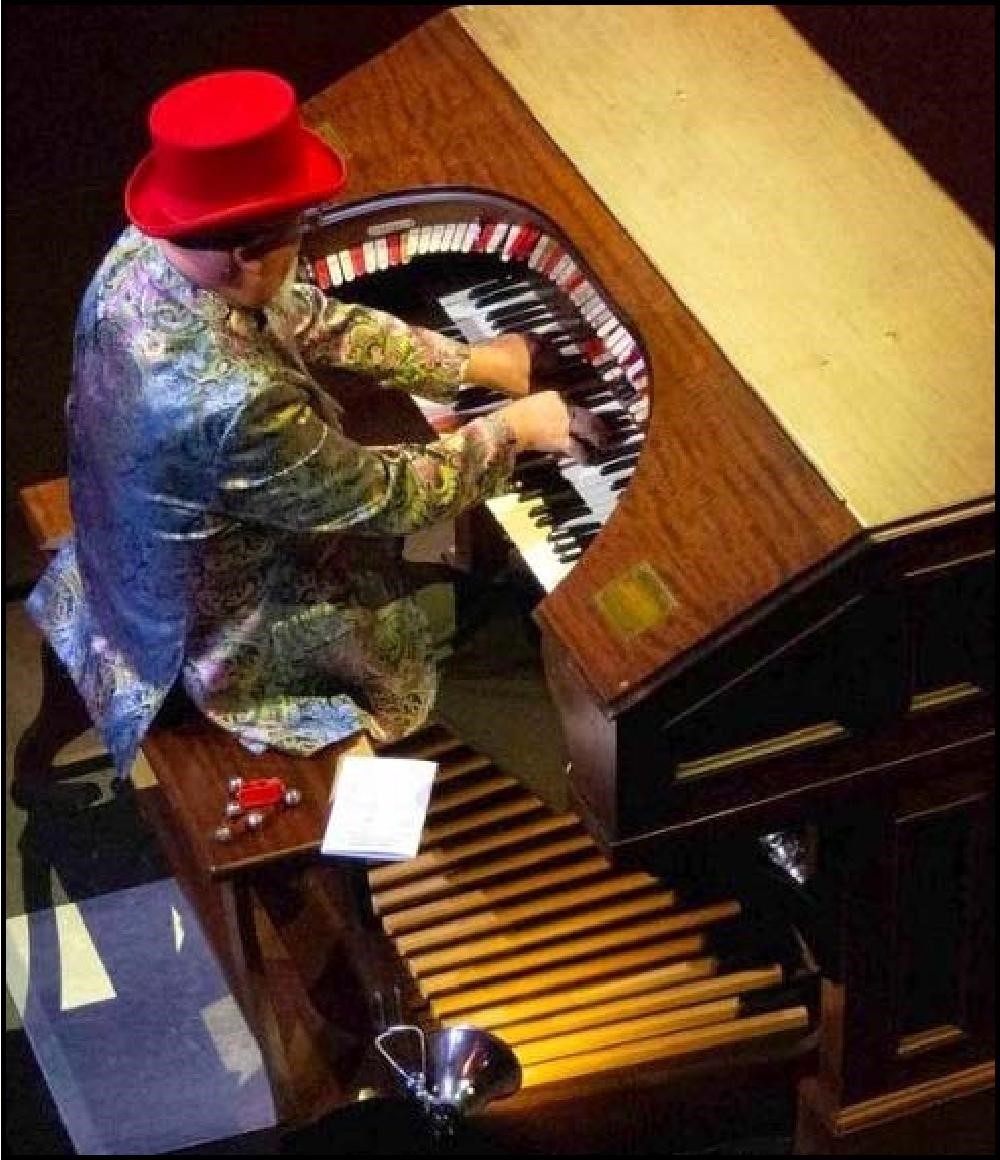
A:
(545, 422)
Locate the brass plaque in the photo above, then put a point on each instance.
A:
(635, 601)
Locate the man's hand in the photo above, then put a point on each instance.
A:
(589, 434)
(546, 362)
(503, 363)
(544, 422)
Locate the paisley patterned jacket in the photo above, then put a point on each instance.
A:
(228, 534)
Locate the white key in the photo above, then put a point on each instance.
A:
(639, 410)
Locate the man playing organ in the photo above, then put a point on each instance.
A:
(228, 535)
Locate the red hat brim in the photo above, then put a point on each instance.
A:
(321, 174)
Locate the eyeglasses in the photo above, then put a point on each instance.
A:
(273, 237)
(252, 244)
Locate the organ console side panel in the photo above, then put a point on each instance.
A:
(777, 619)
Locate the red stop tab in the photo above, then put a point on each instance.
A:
(261, 791)
(593, 348)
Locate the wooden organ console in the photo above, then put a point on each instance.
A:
(769, 606)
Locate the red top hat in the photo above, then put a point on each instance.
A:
(229, 150)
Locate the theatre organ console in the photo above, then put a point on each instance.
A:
(770, 603)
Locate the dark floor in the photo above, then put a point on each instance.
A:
(31, 1125)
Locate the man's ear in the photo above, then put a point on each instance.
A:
(239, 259)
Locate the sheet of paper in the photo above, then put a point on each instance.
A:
(379, 806)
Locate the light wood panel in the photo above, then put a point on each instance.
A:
(836, 277)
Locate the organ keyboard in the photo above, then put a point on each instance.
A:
(784, 612)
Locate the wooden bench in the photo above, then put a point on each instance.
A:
(288, 928)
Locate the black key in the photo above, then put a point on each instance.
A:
(555, 501)
(568, 374)
(505, 288)
(589, 398)
(497, 315)
(516, 286)
(621, 450)
(548, 519)
(518, 304)
(617, 465)
(576, 533)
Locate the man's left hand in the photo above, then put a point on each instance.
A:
(503, 363)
